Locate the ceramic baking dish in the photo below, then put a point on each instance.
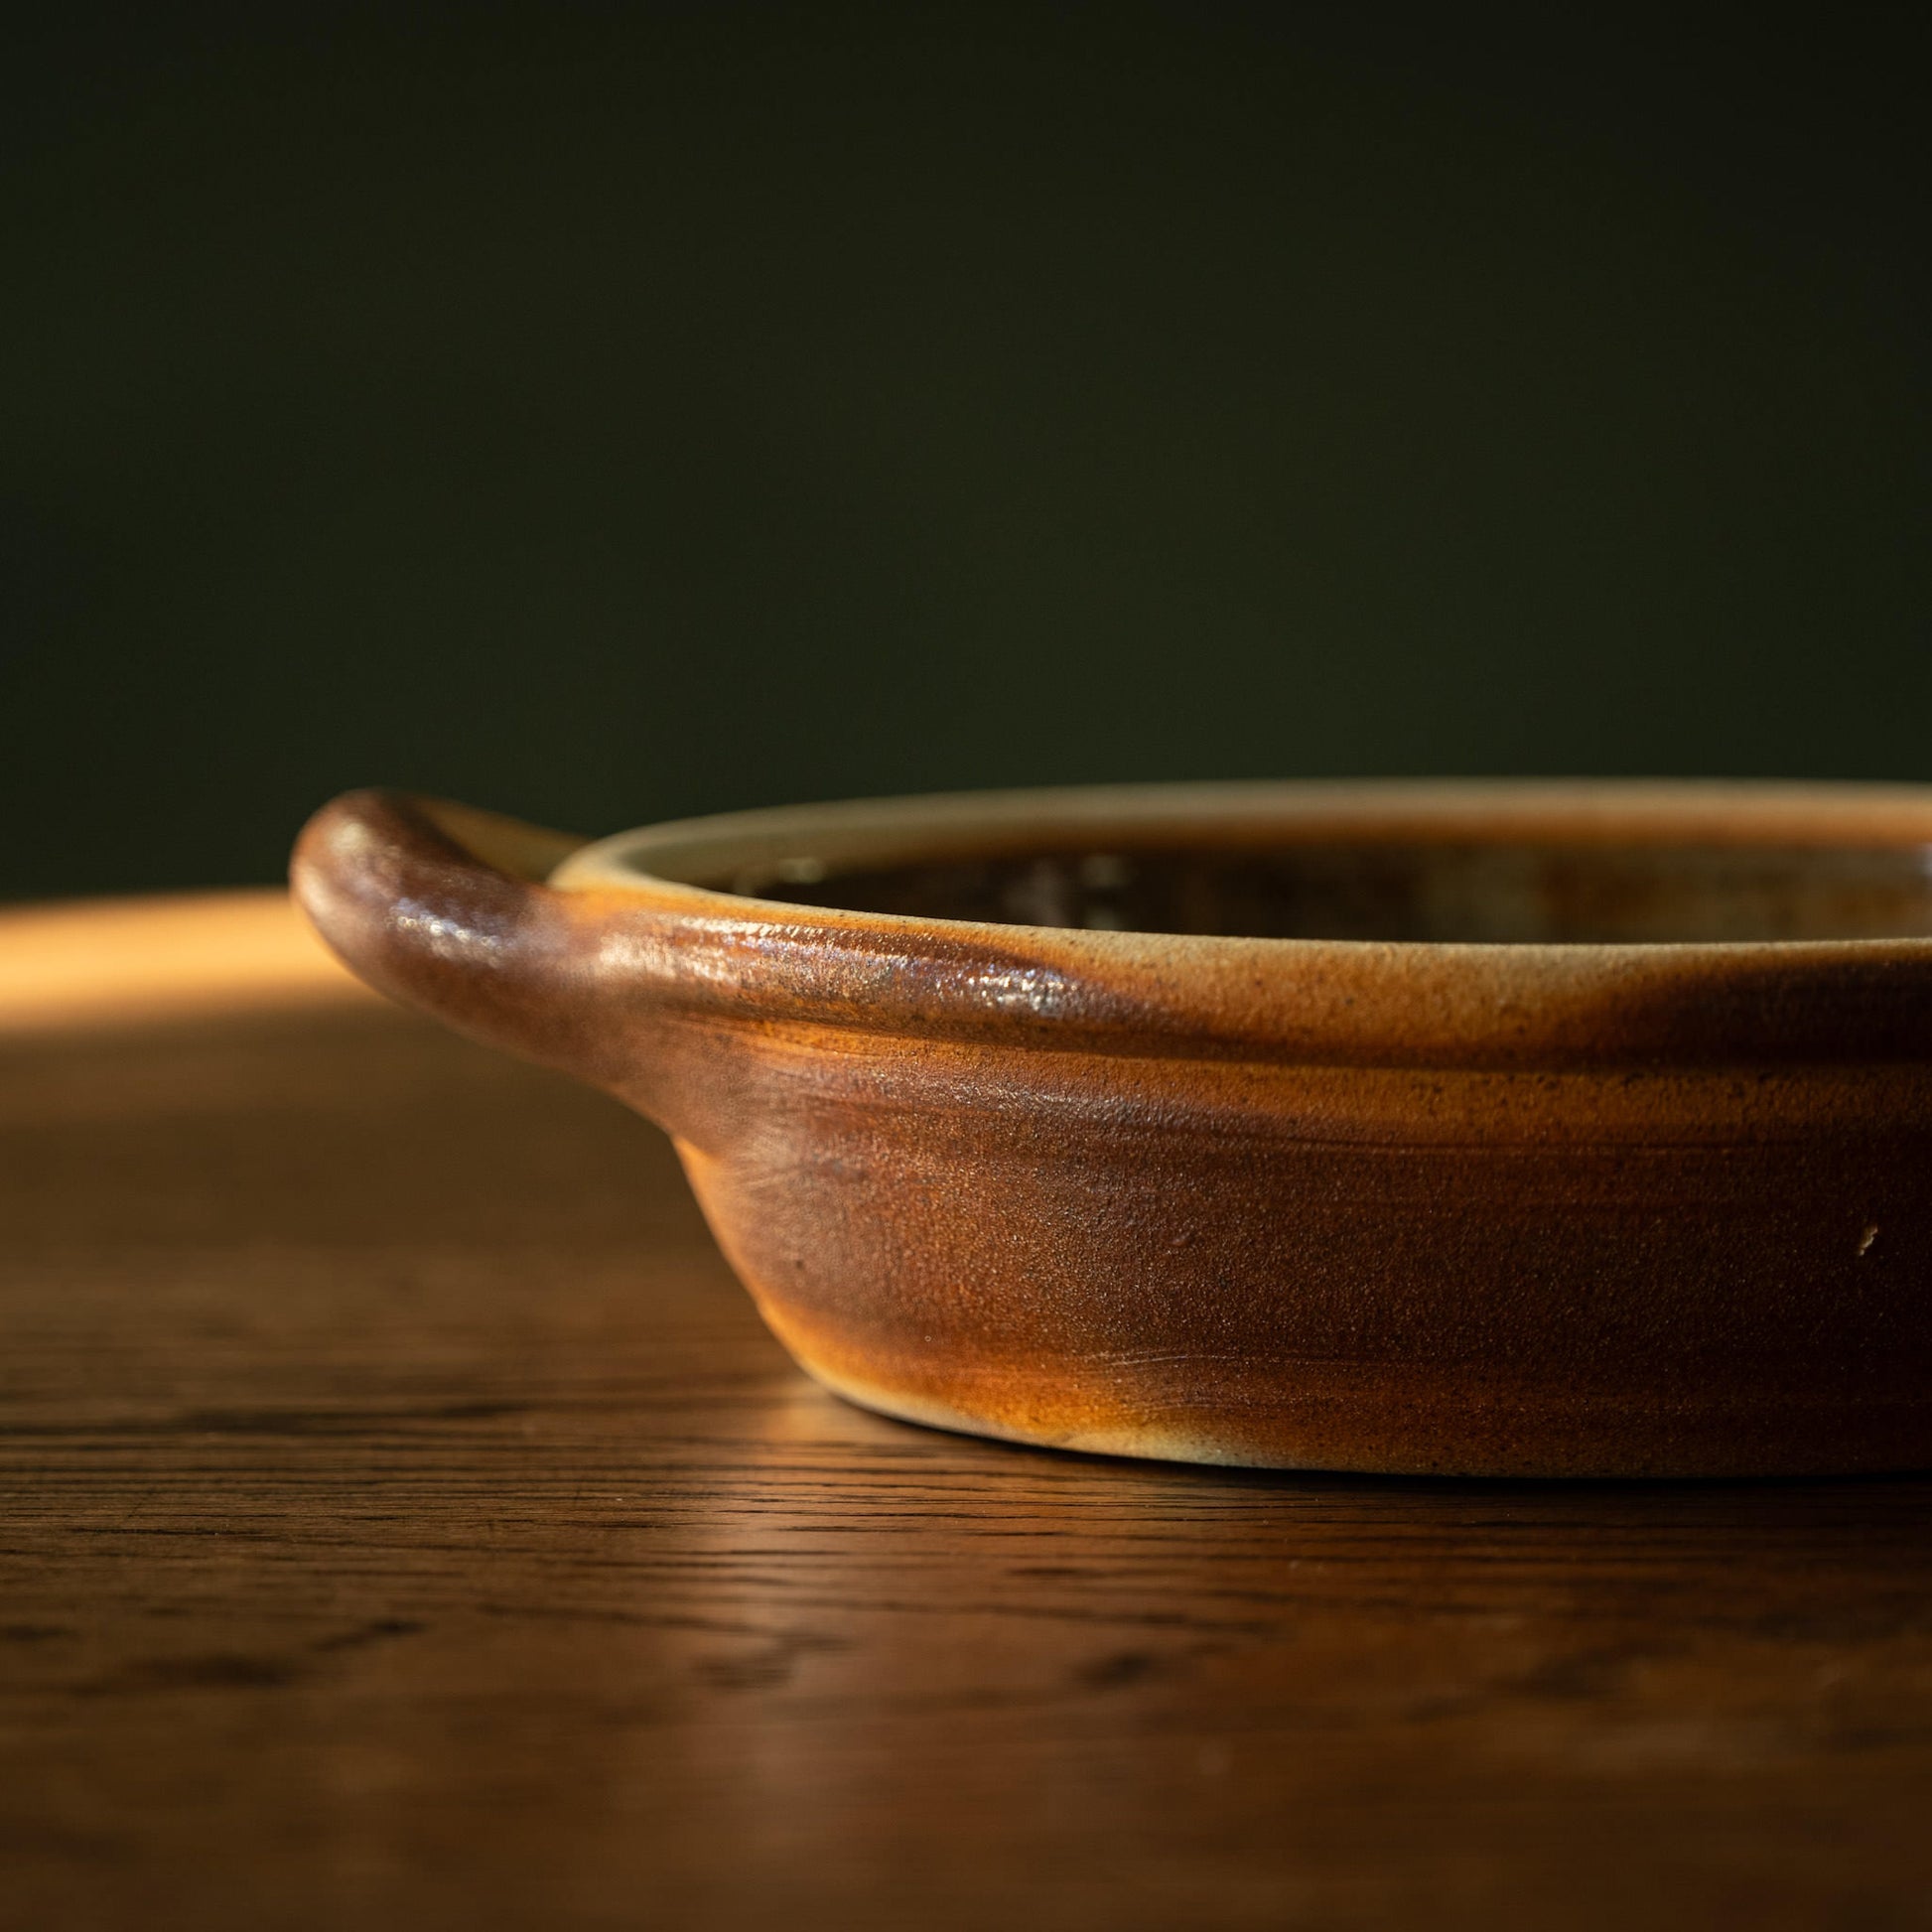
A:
(1554, 1130)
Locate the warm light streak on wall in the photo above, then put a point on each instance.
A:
(103, 962)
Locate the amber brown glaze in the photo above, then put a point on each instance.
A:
(1584, 1206)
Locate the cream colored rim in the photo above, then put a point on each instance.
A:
(747, 853)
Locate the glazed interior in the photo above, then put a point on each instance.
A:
(1475, 893)
(1485, 864)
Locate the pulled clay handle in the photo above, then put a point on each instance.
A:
(445, 907)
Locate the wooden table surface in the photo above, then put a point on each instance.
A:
(405, 1522)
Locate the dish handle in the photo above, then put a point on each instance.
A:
(445, 907)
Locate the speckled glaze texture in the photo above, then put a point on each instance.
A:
(1544, 1208)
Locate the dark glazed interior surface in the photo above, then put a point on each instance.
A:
(1445, 891)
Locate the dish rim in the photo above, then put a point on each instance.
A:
(670, 923)
(694, 856)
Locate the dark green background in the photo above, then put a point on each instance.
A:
(608, 414)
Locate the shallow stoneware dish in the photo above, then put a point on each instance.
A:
(1553, 1130)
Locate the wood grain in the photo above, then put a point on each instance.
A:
(405, 1522)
